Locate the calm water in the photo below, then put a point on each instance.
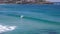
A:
(37, 19)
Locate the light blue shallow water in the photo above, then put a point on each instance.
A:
(38, 19)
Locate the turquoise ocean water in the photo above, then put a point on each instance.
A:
(37, 19)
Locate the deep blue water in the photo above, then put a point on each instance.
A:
(37, 19)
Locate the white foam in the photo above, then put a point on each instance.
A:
(6, 28)
(21, 16)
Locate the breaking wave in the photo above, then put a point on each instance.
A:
(30, 18)
(5, 28)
